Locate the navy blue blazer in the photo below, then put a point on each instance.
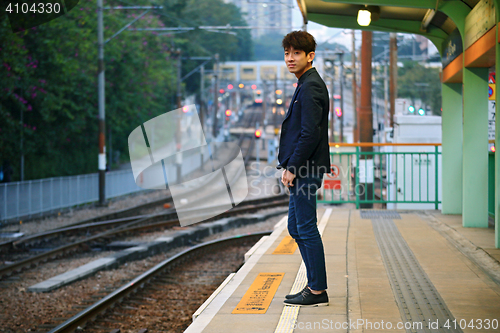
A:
(303, 148)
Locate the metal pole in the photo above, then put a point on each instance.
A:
(386, 95)
(393, 72)
(276, 107)
(257, 155)
(22, 141)
(284, 93)
(365, 109)
(341, 79)
(202, 109)
(202, 96)
(179, 102)
(110, 150)
(264, 103)
(216, 95)
(332, 104)
(354, 90)
(179, 63)
(100, 71)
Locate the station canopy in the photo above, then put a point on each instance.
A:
(430, 18)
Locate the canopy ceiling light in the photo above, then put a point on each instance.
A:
(429, 15)
(364, 17)
(367, 14)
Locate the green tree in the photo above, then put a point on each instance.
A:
(416, 81)
(268, 47)
(48, 75)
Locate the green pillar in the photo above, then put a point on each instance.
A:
(475, 148)
(452, 136)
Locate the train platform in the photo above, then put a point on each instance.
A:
(388, 271)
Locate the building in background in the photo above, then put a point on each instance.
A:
(270, 16)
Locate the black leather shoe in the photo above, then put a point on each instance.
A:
(307, 298)
(290, 296)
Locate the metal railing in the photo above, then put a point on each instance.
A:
(33, 198)
(36, 197)
(400, 175)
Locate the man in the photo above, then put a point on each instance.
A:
(304, 156)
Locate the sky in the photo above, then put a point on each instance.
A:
(320, 32)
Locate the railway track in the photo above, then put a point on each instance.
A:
(146, 224)
(139, 290)
(91, 229)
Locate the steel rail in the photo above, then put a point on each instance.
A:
(256, 204)
(107, 220)
(80, 319)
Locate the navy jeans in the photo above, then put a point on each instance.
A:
(302, 226)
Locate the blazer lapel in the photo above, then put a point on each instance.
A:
(290, 107)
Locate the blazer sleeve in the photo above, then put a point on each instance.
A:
(311, 104)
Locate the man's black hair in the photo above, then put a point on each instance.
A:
(299, 40)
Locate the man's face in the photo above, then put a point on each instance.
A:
(297, 61)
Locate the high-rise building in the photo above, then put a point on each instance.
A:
(267, 16)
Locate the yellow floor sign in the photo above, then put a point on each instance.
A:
(287, 246)
(260, 294)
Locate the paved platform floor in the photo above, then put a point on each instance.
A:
(422, 269)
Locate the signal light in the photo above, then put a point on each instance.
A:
(258, 92)
(185, 109)
(258, 133)
(421, 111)
(221, 91)
(338, 111)
(258, 100)
(254, 86)
(228, 113)
(279, 92)
(229, 86)
(241, 85)
(411, 108)
(279, 101)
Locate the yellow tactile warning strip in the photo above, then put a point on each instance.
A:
(260, 294)
(286, 246)
(290, 314)
(288, 318)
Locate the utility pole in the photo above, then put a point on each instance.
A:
(275, 116)
(354, 89)
(178, 127)
(386, 95)
(202, 96)
(264, 103)
(284, 93)
(393, 72)
(216, 95)
(365, 110)
(22, 141)
(179, 64)
(341, 79)
(332, 103)
(100, 78)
